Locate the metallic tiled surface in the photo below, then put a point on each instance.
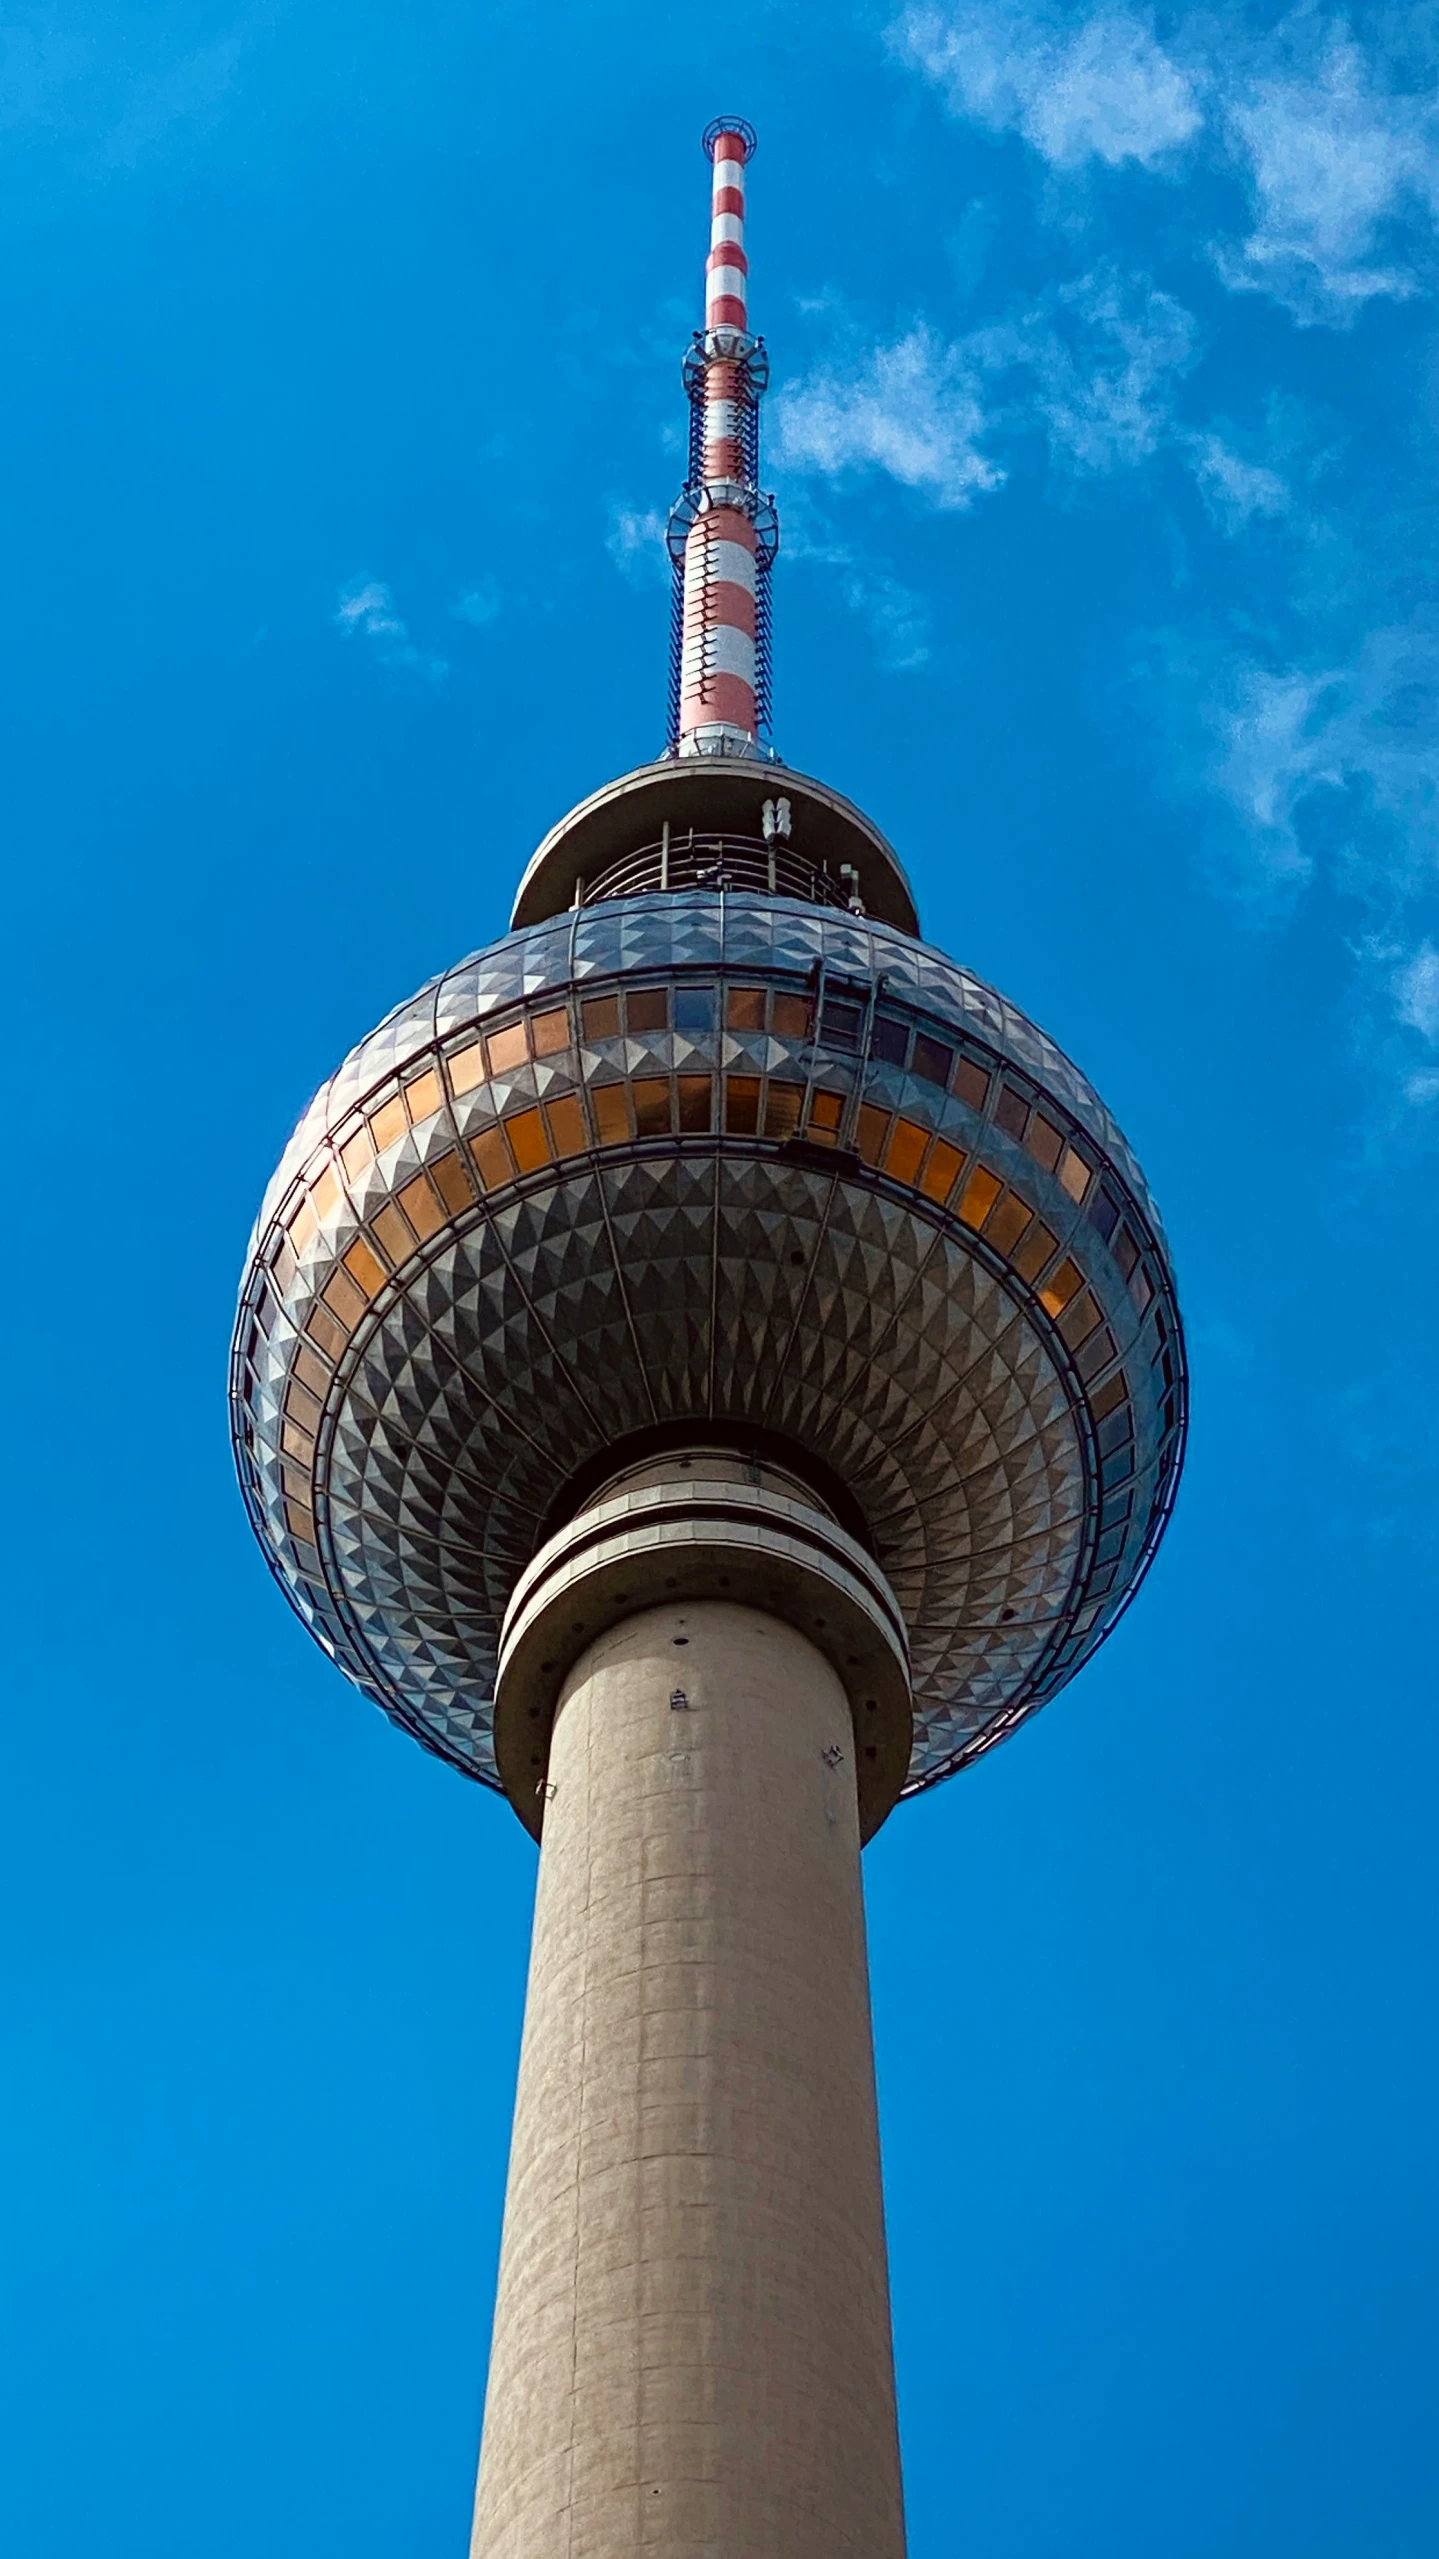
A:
(707, 1277)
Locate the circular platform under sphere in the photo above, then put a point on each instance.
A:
(709, 1156)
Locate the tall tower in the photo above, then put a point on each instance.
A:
(707, 1367)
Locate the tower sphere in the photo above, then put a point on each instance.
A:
(710, 1149)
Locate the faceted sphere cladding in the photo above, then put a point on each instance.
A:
(705, 1157)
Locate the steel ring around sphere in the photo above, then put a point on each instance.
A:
(701, 1537)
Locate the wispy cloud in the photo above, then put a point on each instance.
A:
(1416, 991)
(1093, 368)
(1364, 732)
(910, 408)
(1233, 490)
(636, 541)
(1104, 355)
(479, 605)
(896, 620)
(366, 611)
(1332, 132)
(1104, 90)
(1335, 162)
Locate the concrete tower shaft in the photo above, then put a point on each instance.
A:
(692, 2335)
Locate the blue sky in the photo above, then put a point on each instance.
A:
(340, 407)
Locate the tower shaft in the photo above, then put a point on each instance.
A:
(692, 2338)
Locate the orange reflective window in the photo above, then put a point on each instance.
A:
(568, 1134)
(1044, 1141)
(741, 1104)
(1035, 1251)
(302, 1406)
(611, 1106)
(297, 1442)
(943, 1170)
(1007, 1221)
(971, 1083)
(388, 1123)
(423, 1097)
(1059, 1288)
(327, 1192)
(1079, 1319)
(491, 1157)
(357, 1155)
(872, 1126)
(301, 1523)
(647, 1008)
(422, 1208)
(696, 1101)
(297, 1483)
(744, 1008)
(790, 1019)
(550, 1032)
(652, 1104)
(601, 1017)
(451, 1182)
(327, 1330)
(393, 1230)
(364, 1267)
(311, 1371)
(905, 1152)
(782, 1106)
(529, 1145)
(1074, 1173)
(344, 1299)
(826, 1110)
(1111, 1395)
(283, 1263)
(507, 1047)
(979, 1195)
(302, 1225)
(467, 1067)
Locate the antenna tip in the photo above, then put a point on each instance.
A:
(744, 134)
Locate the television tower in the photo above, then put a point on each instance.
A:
(707, 1367)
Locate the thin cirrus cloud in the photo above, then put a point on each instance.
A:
(1104, 90)
(1093, 367)
(366, 612)
(1333, 136)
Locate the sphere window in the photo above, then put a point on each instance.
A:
(601, 1017)
(744, 1008)
(647, 1008)
(694, 1008)
(932, 1059)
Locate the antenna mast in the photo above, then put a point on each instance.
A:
(723, 530)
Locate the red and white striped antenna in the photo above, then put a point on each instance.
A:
(723, 530)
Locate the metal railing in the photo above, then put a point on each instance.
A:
(686, 859)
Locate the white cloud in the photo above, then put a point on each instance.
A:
(910, 408)
(1335, 136)
(1233, 490)
(1286, 737)
(895, 618)
(1334, 162)
(1093, 367)
(1416, 992)
(1105, 90)
(1105, 354)
(366, 610)
(479, 604)
(636, 541)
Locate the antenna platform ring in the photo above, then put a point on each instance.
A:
(730, 124)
